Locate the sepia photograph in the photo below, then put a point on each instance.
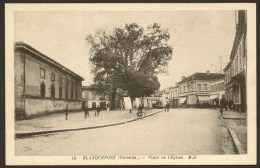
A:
(130, 84)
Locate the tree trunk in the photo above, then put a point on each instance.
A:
(113, 98)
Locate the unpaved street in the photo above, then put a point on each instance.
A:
(180, 131)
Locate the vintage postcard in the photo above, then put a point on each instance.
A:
(130, 84)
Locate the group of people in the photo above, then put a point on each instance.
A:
(86, 111)
(225, 105)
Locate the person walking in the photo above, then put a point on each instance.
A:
(66, 112)
(98, 110)
(225, 103)
(108, 107)
(140, 111)
(86, 112)
(165, 107)
(221, 106)
(168, 106)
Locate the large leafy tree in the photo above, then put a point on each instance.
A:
(129, 58)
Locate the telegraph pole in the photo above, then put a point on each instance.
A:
(220, 59)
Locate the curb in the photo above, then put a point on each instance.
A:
(231, 118)
(28, 134)
(237, 143)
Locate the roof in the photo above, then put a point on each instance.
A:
(27, 47)
(241, 28)
(227, 66)
(203, 76)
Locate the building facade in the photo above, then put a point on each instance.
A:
(236, 69)
(42, 85)
(217, 92)
(195, 89)
(91, 98)
(172, 96)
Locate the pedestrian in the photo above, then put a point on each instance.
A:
(224, 103)
(230, 103)
(140, 111)
(86, 112)
(98, 110)
(221, 106)
(165, 107)
(168, 106)
(108, 107)
(66, 112)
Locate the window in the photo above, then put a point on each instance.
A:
(198, 87)
(236, 65)
(189, 88)
(211, 88)
(52, 91)
(67, 90)
(52, 77)
(184, 89)
(60, 80)
(83, 94)
(42, 90)
(71, 91)
(60, 92)
(76, 97)
(42, 73)
(205, 87)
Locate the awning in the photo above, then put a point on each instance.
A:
(182, 100)
(213, 97)
(203, 98)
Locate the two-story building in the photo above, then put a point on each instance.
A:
(172, 95)
(235, 71)
(91, 97)
(217, 92)
(43, 85)
(195, 89)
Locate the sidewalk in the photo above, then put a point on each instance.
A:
(237, 125)
(233, 115)
(56, 122)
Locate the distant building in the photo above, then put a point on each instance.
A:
(195, 89)
(235, 71)
(43, 85)
(217, 92)
(172, 95)
(92, 97)
(165, 95)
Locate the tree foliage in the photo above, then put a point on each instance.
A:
(130, 58)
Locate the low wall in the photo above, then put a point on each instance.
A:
(34, 107)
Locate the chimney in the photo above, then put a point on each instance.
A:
(208, 72)
(183, 77)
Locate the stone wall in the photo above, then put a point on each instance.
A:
(35, 107)
(19, 81)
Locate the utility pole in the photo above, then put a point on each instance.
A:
(220, 59)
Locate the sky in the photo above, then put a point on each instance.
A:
(198, 38)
